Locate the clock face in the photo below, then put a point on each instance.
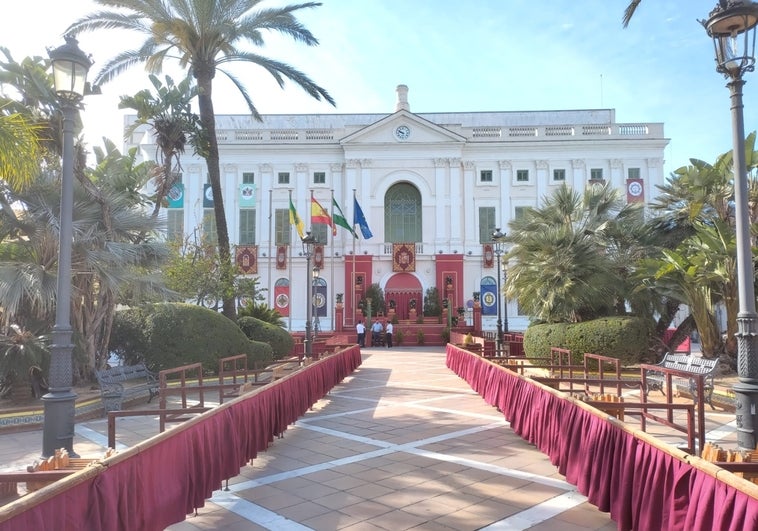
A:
(402, 132)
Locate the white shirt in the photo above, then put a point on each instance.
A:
(389, 328)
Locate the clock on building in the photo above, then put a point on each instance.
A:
(402, 132)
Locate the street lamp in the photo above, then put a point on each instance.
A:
(314, 286)
(732, 25)
(70, 67)
(309, 243)
(504, 269)
(499, 248)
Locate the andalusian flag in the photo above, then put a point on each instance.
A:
(319, 214)
(296, 221)
(339, 219)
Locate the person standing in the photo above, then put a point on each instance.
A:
(360, 329)
(388, 334)
(376, 333)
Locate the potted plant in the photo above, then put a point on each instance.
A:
(420, 336)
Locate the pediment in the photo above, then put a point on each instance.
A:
(403, 127)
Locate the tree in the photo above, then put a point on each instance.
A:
(109, 252)
(629, 12)
(571, 255)
(204, 35)
(19, 150)
(171, 120)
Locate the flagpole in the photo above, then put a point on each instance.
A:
(331, 273)
(355, 303)
(272, 295)
(289, 270)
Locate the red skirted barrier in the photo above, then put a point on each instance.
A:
(641, 482)
(158, 482)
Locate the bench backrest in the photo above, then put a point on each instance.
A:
(689, 363)
(123, 373)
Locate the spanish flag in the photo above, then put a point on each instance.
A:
(296, 221)
(319, 214)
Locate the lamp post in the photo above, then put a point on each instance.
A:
(499, 246)
(70, 67)
(732, 25)
(504, 269)
(309, 242)
(314, 302)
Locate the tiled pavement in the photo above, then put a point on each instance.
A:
(403, 443)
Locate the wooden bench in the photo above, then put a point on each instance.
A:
(123, 381)
(656, 380)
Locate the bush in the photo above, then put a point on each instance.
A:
(624, 338)
(399, 336)
(420, 336)
(280, 340)
(176, 334)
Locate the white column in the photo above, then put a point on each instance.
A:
(471, 208)
(505, 179)
(230, 192)
(617, 179)
(442, 204)
(457, 190)
(654, 177)
(579, 174)
(301, 194)
(541, 178)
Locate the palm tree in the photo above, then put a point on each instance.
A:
(204, 35)
(171, 120)
(629, 12)
(570, 257)
(109, 252)
(19, 150)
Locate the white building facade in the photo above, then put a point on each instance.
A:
(432, 186)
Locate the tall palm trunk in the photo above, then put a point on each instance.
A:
(208, 120)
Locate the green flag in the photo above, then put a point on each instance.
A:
(339, 218)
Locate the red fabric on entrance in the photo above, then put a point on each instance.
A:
(642, 486)
(158, 482)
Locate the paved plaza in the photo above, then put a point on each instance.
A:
(402, 443)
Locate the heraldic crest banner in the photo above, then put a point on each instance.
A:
(247, 259)
(404, 257)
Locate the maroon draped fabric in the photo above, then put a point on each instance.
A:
(640, 485)
(158, 482)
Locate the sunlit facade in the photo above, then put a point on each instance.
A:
(432, 186)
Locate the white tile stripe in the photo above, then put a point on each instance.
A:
(538, 513)
(255, 513)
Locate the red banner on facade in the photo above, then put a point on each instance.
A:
(404, 257)
(635, 191)
(318, 256)
(282, 300)
(488, 256)
(247, 259)
(281, 257)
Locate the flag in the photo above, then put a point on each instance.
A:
(296, 221)
(319, 214)
(339, 219)
(360, 220)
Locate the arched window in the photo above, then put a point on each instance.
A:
(402, 214)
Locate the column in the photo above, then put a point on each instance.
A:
(579, 174)
(457, 223)
(441, 201)
(471, 210)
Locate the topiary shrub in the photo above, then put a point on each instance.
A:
(280, 340)
(177, 334)
(624, 338)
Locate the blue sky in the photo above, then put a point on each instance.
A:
(478, 55)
